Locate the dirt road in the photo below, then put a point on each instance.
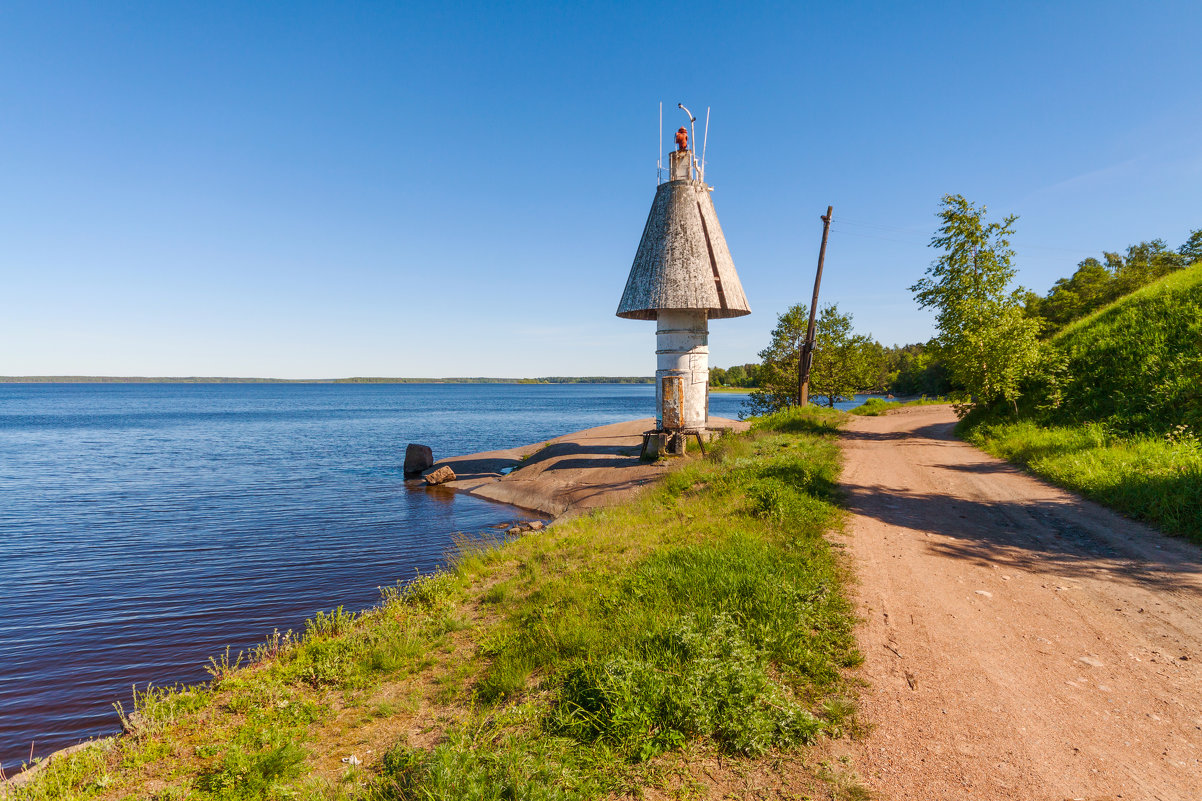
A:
(1020, 643)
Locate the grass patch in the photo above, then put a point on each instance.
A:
(709, 613)
(875, 407)
(1157, 479)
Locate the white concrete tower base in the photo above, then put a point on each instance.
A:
(683, 369)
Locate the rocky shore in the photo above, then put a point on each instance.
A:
(568, 474)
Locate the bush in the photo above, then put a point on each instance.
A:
(698, 679)
(255, 772)
(875, 407)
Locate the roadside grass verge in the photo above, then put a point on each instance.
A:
(875, 407)
(707, 616)
(1157, 479)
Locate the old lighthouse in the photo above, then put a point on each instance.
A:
(682, 278)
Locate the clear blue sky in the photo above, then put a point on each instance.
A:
(316, 190)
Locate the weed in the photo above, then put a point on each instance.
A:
(498, 593)
(83, 774)
(274, 646)
(514, 767)
(844, 783)
(336, 622)
(386, 710)
(694, 680)
(430, 592)
(256, 771)
(221, 668)
(1184, 436)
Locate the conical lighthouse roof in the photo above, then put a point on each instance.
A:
(683, 261)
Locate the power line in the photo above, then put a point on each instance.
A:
(844, 221)
(839, 222)
(879, 238)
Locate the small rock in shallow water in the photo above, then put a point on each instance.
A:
(439, 476)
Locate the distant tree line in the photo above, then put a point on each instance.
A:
(597, 379)
(741, 375)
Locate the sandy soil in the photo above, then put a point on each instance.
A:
(1019, 642)
(568, 474)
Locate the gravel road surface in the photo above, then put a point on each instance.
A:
(1020, 643)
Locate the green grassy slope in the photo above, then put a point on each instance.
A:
(1117, 416)
(1136, 364)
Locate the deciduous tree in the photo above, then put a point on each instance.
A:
(1191, 251)
(778, 362)
(987, 342)
(844, 362)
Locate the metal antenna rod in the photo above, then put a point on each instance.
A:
(692, 137)
(705, 138)
(659, 165)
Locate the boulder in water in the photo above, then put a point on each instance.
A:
(417, 459)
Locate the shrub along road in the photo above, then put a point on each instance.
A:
(1019, 642)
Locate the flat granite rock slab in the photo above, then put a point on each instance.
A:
(581, 470)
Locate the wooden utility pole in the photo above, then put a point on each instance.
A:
(806, 357)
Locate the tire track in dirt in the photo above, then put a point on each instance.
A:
(1019, 642)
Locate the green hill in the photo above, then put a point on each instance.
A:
(1137, 363)
(1117, 414)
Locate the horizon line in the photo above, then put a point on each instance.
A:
(102, 379)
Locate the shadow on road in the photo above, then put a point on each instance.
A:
(935, 432)
(1060, 539)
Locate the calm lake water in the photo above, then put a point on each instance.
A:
(145, 527)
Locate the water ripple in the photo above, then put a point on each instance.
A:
(146, 527)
